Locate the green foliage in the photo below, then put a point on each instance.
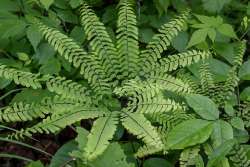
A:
(117, 73)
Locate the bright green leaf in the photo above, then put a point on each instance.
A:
(227, 30)
(197, 37)
(203, 106)
(47, 3)
(237, 123)
(244, 72)
(189, 133)
(220, 153)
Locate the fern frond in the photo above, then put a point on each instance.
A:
(26, 79)
(100, 41)
(147, 98)
(239, 157)
(171, 119)
(206, 79)
(172, 62)
(161, 41)
(89, 65)
(170, 83)
(56, 122)
(127, 39)
(147, 150)
(238, 58)
(188, 156)
(101, 132)
(23, 112)
(138, 125)
(68, 88)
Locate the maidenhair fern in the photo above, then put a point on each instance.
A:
(114, 70)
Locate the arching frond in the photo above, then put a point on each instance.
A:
(127, 38)
(56, 122)
(24, 78)
(89, 65)
(101, 132)
(100, 41)
(138, 125)
(162, 40)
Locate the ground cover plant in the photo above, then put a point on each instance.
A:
(118, 88)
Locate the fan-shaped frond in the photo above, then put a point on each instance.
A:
(162, 40)
(138, 125)
(101, 132)
(89, 65)
(127, 38)
(21, 77)
(56, 122)
(100, 41)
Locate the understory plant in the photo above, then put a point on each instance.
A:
(141, 89)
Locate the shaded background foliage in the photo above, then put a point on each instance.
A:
(214, 24)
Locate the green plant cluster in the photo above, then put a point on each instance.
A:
(141, 83)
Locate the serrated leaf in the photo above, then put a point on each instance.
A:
(227, 30)
(197, 37)
(203, 106)
(189, 133)
(34, 36)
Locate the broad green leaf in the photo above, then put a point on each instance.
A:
(237, 123)
(62, 155)
(47, 3)
(9, 5)
(114, 156)
(245, 94)
(227, 30)
(203, 106)
(189, 133)
(229, 109)
(226, 50)
(157, 162)
(35, 164)
(161, 6)
(197, 37)
(222, 131)
(214, 6)
(220, 152)
(78, 34)
(212, 34)
(244, 72)
(34, 36)
(75, 3)
(146, 35)
(180, 41)
(53, 66)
